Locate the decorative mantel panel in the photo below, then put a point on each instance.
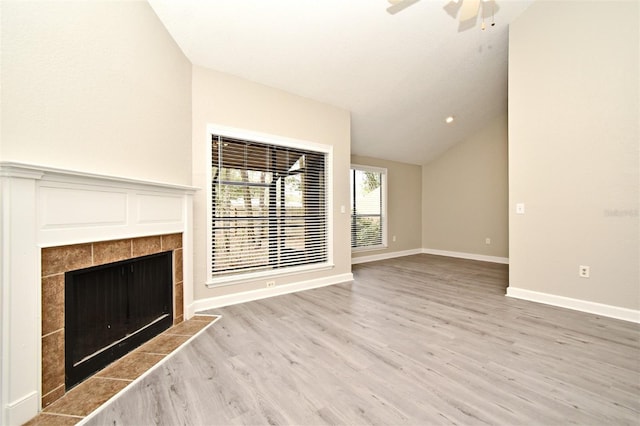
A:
(43, 207)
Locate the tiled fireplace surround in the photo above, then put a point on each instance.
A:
(58, 260)
(55, 220)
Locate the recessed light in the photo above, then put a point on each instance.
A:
(449, 119)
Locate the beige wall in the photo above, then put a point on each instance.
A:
(221, 99)
(94, 86)
(403, 205)
(573, 150)
(464, 195)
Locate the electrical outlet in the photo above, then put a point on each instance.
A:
(271, 283)
(583, 271)
(393, 238)
(487, 241)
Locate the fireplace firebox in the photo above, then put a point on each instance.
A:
(111, 309)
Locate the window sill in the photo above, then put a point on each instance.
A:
(369, 248)
(262, 275)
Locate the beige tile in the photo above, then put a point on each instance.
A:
(45, 419)
(146, 245)
(171, 242)
(177, 265)
(206, 318)
(52, 361)
(52, 303)
(111, 251)
(131, 366)
(163, 344)
(53, 396)
(56, 260)
(178, 297)
(187, 328)
(87, 396)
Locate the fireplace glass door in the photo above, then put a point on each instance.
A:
(112, 309)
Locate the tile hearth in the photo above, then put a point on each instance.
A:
(95, 391)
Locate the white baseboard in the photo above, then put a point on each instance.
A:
(263, 293)
(575, 304)
(22, 410)
(383, 256)
(470, 256)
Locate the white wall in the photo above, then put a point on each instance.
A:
(96, 86)
(465, 193)
(574, 151)
(224, 100)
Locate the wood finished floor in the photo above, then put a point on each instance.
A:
(418, 340)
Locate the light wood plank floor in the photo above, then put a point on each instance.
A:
(418, 340)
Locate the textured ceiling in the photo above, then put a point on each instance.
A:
(399, 75)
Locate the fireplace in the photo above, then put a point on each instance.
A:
(77, 261)
(111, 309)
(55, 221)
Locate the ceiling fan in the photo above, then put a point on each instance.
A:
(466, 11)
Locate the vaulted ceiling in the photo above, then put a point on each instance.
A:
(399, 75)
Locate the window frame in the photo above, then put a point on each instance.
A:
(242, 134)
(383, 213)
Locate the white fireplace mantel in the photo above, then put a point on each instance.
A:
(46, 207)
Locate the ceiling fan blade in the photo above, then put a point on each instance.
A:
(452, 8)
(398, 6)
(469, 10)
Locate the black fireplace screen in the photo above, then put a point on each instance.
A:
(112, 309)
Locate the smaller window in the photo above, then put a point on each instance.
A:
(368, 208)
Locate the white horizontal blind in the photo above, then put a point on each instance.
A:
(268, 206)
(367, 209)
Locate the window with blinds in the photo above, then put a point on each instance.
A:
(268, 207)
(368, 207)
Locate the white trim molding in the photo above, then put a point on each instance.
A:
(470, 256)
(23, 408)
(575, 304)
(40, 172)
(383, 256)
(263, 293)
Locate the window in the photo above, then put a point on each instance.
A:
(368, 207)
(269, 208)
